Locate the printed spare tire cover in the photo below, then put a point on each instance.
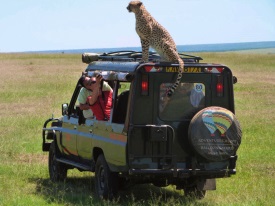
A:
(215, 133)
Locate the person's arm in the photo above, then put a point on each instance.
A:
(82, 99)
(92, 98)
(96, 91)
(84, 106)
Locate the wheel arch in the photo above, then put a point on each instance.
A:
(96, 152)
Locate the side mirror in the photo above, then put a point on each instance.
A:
(65, 109)
(235, 80)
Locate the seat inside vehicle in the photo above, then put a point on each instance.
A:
(121, 107)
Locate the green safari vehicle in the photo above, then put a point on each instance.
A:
(188, 139)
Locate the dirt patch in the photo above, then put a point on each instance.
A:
(33, 158)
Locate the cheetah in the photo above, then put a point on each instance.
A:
(152, 34)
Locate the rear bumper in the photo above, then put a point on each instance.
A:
(185, 173)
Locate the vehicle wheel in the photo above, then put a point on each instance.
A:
(57, 170)
(106, 182)
(194, 192)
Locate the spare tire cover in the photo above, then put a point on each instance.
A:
(215, 133)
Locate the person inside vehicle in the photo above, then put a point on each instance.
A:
(98, 97)
(83, 104)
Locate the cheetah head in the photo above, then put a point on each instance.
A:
(134, 6)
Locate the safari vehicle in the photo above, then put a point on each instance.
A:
(188, 139)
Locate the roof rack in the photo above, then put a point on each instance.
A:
(131, 56)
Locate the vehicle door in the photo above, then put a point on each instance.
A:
(69, 134)
(84, 139)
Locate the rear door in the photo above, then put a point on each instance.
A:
(158, 131)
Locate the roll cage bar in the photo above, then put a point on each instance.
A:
(132, 56)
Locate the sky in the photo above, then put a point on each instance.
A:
(39, 25)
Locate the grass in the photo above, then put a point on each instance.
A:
(33, 87)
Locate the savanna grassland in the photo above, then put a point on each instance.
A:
(33, 87)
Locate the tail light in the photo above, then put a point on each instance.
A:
(219, 86)
(144, 85)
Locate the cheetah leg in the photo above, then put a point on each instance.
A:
(145, 50)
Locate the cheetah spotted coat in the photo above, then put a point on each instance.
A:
(152, 34)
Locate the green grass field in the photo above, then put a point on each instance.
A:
(33, 87)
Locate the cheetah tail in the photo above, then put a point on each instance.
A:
(172, 89)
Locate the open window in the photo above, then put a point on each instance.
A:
(121, 102)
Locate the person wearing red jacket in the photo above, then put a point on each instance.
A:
(100, 100)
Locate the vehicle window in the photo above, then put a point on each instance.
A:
(121, 105)
(123, 87)
(187, 99)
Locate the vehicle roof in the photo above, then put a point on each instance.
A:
(130, 61)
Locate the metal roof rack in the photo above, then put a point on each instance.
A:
(131, 56)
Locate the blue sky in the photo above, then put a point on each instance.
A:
(35, 25)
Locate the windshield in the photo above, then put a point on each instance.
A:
(187, 99)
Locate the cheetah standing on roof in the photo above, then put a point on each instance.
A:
(152, 34)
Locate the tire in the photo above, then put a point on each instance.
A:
(57, 170)
(193, 192)
(106, 182)
(215, 133)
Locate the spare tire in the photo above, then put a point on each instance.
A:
(215, 133)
